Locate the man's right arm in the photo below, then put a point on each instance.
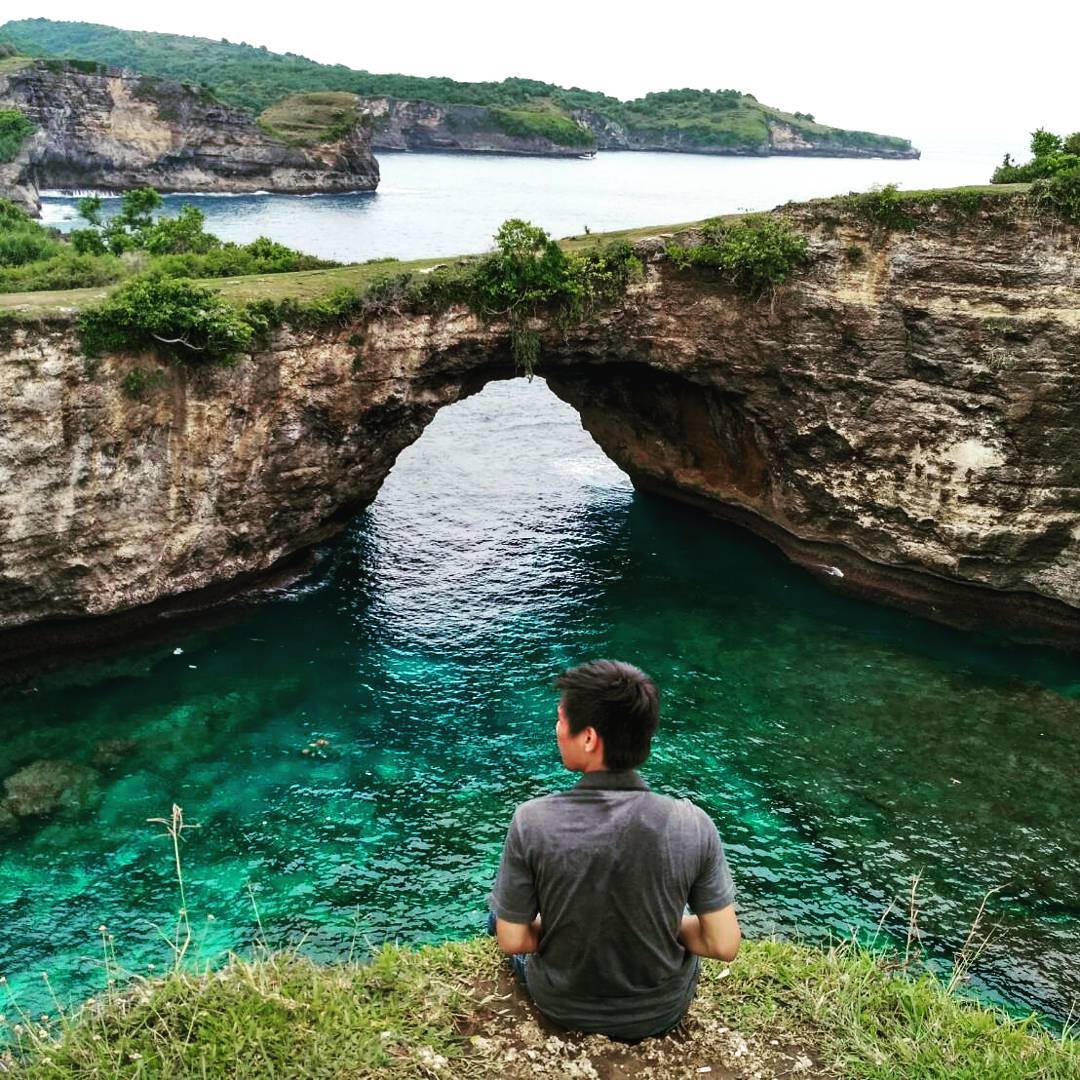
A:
(715, 934)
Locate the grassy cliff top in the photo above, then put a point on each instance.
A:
(311, 118)
(309, 285)
(8, 64)
(255, 78)
(779, 1009)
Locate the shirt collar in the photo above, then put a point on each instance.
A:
(613, 780)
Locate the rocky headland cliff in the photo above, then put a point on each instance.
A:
(110, 129)
(513, 116)
(902, 418)
(477, 129)
(428, 126)
(778, 135)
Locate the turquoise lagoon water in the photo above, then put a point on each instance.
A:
(841, 747)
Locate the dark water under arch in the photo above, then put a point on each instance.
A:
(840, 746)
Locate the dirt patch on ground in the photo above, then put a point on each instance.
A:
(508, 1034)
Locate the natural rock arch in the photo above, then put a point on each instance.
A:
(869, 420)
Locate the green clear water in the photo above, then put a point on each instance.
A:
(841, 747)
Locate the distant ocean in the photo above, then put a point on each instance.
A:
(451, 204)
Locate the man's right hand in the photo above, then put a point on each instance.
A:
(715, 934)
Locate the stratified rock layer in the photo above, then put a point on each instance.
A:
(903, 419)
(116, 130)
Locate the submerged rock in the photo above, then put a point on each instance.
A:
(47, 787)
(111, 752)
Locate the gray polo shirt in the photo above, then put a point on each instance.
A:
(611, 866)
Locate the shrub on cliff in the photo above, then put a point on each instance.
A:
(261, 256)
(1054, 170)
(170, 316)
(527, 274)
(23, 240)
(1051, 156)
(1061, 193)
(65, 270)
(14, 130)
(180, 246)
(755, 254)
(33, 258)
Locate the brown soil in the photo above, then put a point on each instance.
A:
(510, 1038)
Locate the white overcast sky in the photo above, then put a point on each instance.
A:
(944, 73)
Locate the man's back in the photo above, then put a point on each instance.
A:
(610, 866)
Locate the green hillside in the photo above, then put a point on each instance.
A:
(255, 78)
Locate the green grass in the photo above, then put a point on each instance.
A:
(536, 123)
(851, 1011)
(309, 119)
(8, 64)
(280, 1016)
(755, 254)
(868, 1019)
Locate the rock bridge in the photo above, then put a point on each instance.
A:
(902, 419)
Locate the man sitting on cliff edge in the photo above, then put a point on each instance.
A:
(611, 867)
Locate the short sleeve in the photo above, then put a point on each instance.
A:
(513, 897)
(713, 887)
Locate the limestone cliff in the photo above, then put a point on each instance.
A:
(903, 419)
(111, 129)
(427, 126)
(779, 135)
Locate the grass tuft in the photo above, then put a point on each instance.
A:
(312, 118)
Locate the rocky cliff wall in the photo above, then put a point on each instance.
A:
(114, 130)
(903, 419)
(426, 126)
(781, 138)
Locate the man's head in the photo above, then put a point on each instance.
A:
(608, 713)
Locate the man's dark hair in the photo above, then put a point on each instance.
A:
(620, 701)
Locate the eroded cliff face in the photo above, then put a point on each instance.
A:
(427, 126)
(116, 130)
(780, 138)
(903, 419)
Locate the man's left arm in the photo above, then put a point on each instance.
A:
(713, 929)
(515, 938)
